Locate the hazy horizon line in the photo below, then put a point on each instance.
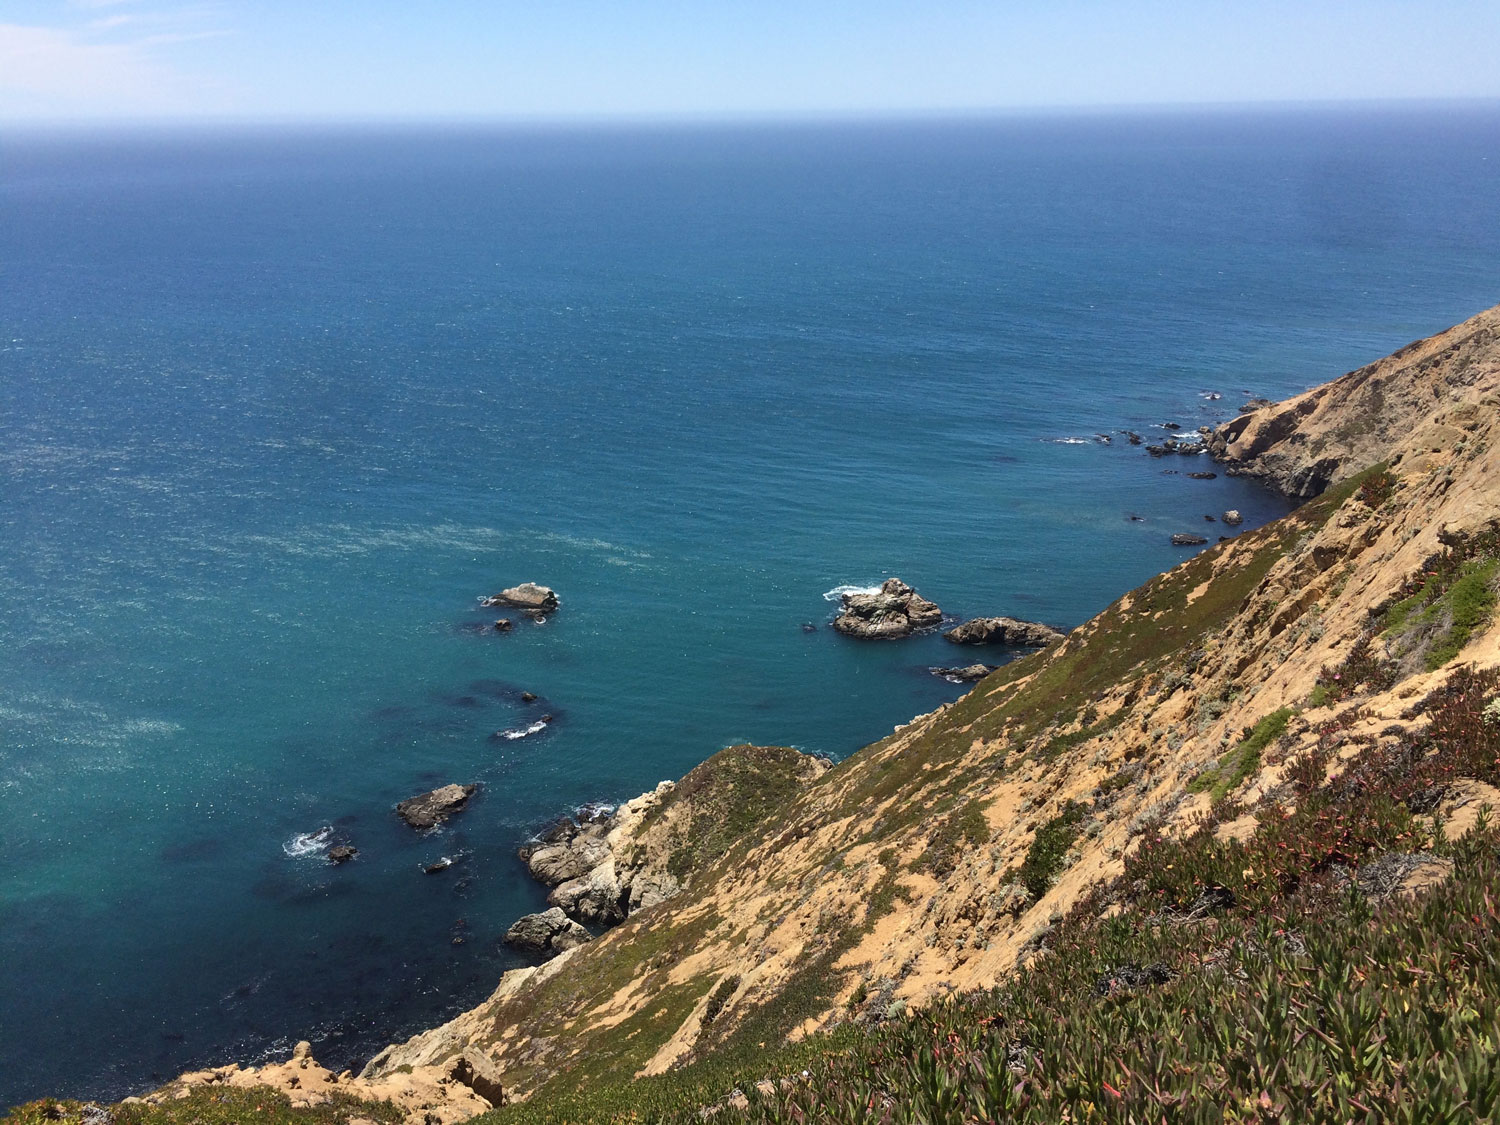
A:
(179, 122)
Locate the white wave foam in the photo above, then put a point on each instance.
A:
(535, 728)
(838, 592)
(1070, 441)
(308, 843)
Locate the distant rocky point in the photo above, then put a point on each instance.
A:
(1003, 631)
(895, 610)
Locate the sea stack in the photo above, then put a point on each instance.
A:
(428, 810)
(527, 596)
(896, 610)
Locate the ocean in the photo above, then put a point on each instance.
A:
(278, 406)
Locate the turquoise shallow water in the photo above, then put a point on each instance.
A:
(277, 407)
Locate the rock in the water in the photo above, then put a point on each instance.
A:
(966, 674)
(1183, 540)
(528, 697)
(1003, 631)
(1133, 437)
(809, 627)
(895, 611)
(528, 595)
(1203, 476)
(342, 853)
(428, 810)
(1233, 517)
(441, 865)
(504, 625)
(1171, 425)
(551, 932)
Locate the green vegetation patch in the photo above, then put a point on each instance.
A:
(1050, 844)
(1225, 776)
(733, 796)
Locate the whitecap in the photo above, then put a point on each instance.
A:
(1070, 441)
(308, 843)
(535, 728)
(838, 592)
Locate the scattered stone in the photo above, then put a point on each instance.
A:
(441, 865)
(1171, 426)
(1183, 540)
(1233, 517)
(527, 596)
(504, 625)
(965, 675)
(1157, 450)
(1203, 476)
(549, 933)
(1210, 519)
(1003, 631)
(528, 697)
(428, 810)
(342, 853)
(895, 611)
(1133, 437)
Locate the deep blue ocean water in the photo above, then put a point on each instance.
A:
(276, 407)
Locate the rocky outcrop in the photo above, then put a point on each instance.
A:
(1003, 631)
(428, 810)
(1419, 398)
(895, 610)
(342, 853)
(1184, 539)
(549, 933)
(527, 596)
(967, 674)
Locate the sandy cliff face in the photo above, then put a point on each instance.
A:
(1418, 400)
(939, 858)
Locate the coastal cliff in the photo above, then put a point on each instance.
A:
(1199, 716)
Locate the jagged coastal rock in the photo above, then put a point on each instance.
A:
(527, 596)
(966, 674)
(1003, 631)
(551, 932)
(895, 610)
(1183, 539)
(342, 853)
(428, 810)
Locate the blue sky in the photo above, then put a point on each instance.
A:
(372, 59)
